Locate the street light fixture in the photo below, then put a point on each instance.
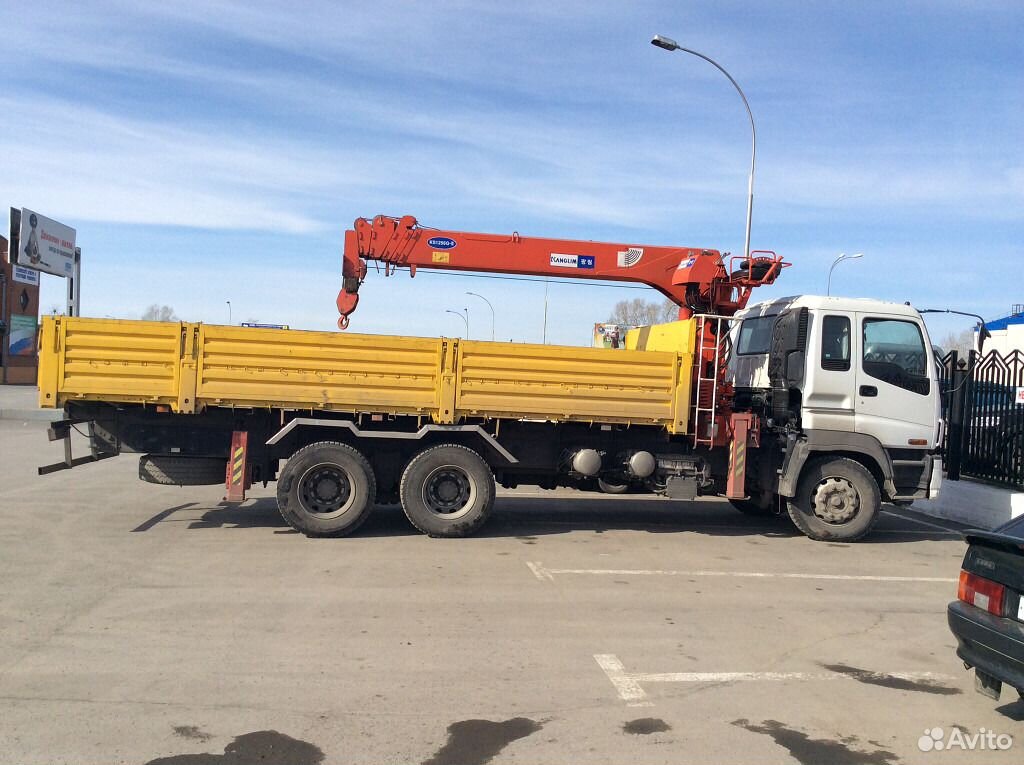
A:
(836, 262)
(474, 294)
(463, 316)
(229, 312)
(666, 43)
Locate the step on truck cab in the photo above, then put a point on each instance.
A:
(848, 391)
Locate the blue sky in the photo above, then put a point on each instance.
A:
(217, 151)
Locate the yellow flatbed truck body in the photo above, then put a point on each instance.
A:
(190, 367)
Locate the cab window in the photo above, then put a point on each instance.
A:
(755, 335)
(894, 353)
(835, 343)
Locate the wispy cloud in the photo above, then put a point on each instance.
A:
(550, 118)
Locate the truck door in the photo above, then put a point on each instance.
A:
(830, 386)
(895, 399)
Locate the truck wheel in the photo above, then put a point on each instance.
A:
(447, 491)
(837, 499)
(176, 470)
(326, 489)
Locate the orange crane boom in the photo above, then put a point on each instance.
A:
(697, 280)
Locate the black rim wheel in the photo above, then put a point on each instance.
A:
(325, 490)
(449, 491)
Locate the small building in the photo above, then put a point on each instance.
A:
(1007, 332)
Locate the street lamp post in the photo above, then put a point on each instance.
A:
(474, 294)
(463, 316)
(836, 262)
(669, 44)
(229, 312)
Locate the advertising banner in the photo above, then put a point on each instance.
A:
(610, 336)
(25, 275)
(45, 244)
(22, 335)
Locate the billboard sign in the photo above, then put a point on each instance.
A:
(25, 275)
(45, 245)
(610, 335)
(22, 337)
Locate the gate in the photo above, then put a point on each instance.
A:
(985, 422)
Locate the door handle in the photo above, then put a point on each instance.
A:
(868, 390)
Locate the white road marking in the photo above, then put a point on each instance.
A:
(548, 574)
(540, 572)
(682, 527)
(945, 529)
(916, 532)
(628, 688)
(628, 684)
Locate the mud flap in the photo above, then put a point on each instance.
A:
(237, 479)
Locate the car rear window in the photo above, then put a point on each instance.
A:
(1013, 528)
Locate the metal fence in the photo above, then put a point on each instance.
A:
(985, 424)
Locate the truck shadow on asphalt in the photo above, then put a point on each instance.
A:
(527, 518)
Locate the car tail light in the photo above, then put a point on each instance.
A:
(981, 592)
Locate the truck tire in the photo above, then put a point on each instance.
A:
(837, 499)
(447, 491)
(177, 470)
(326, 489)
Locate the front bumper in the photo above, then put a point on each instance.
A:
(993, 644)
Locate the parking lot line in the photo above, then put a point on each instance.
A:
(545, 574)
(918, 521)
(628, 684)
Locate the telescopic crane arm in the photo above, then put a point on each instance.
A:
(697, 280)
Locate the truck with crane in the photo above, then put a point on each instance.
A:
(819, 408)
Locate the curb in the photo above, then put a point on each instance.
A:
(972, 503)
(31, 415)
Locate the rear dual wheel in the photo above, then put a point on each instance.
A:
(326, 489)
(447, 491)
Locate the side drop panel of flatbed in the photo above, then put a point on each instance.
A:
(190, 367)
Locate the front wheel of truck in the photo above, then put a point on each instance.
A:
(447, 491)
(326, 489)
(837, 500)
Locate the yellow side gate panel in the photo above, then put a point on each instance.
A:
(242, 366)
(561, 383)
(108, 360)
(189, 367)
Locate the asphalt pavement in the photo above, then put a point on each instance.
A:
(142, 623)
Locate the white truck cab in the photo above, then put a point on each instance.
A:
(842, 378)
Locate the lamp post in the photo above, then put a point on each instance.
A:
(666, 43)
(229, 312)
(474, 294)
(463, 316)
(836, 262)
